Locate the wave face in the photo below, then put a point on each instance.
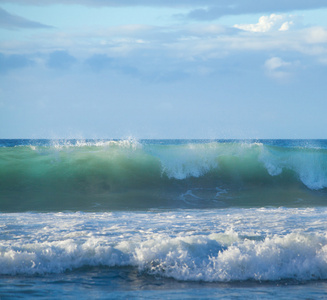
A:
(210, 245)
(125, 174)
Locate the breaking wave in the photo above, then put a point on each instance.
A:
(87, 174)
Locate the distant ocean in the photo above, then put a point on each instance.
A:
(173, 219)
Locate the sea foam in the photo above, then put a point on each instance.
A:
(218, 245)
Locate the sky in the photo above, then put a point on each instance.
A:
(193, 69)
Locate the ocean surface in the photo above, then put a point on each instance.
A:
(163, 219)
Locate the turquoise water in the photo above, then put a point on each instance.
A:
(163, 219)
(119, 175)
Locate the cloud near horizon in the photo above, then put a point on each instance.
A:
(163, 79)
(136, 49)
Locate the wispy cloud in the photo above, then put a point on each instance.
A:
(316, 35)
(204, 9)
(147, 47)
(217, 9)
(278, 68)
(176, 51)
(10, 21)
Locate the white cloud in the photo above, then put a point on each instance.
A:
(316, 35)
(275, 63)
(192, 48)
(269, 23)
(277, 68)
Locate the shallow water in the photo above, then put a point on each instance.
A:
(128, 283)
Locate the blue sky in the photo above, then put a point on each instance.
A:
(163, 69)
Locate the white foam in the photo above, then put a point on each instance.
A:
(310, 166)
(130, 143)
(192, 160)
(292, 256)
(215, 245)
(195, 160)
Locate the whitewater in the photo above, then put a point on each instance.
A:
(163, 219)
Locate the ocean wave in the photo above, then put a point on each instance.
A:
(293, 256)
(205, 258)
(105, 171)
